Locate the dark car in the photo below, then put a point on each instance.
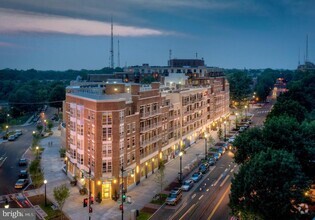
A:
(21, 183)
(23, 174)
(211, 161)
(22, 162)
(203, 169)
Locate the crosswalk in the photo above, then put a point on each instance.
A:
(262, 112)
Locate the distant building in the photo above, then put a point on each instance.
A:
(112, 125)
(307, 66)
(279, 88)
(186, 62)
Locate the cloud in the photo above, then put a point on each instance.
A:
(21, 21)
(6, 44)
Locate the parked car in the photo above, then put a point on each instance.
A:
(221, 144)
(196, 177)
(203, 169)
(23, 174)
(21, 183)
(221, 150)
(215, 155)
(18, 132)
(174, 197)
(187, 185)
(11, 137)
(211, 161)
(176, 190)
(22, 162)
(231, 139)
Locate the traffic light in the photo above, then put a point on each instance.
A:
(92, 200)
(124, 197)
(90, 209)
(85, 202)
(121, 207)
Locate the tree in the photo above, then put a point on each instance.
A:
(290, 108)
(57, 95)
(239, 86)
(220, 133)
(61, 193)
(49, 125)
(283, 132)
(268, 186)
(248, 144)
(160, 176)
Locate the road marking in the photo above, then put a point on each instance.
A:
(207, 190)
(217, 205)
(216, 182)
(225, 179)
(200, 197)
(188, 211)
(232, 170)
(193, 196)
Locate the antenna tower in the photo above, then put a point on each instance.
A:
(112, 46)
(118, 63)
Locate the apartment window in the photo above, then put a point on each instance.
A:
(134, 127)
(128, 128)
(106, 166)
(107, 118)
(121, 130)
(128, 158)
(121, 116)
(107, 134)
(128, 143)
(133, 141)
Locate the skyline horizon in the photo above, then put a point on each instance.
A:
(228, 34)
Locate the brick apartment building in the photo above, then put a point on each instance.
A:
(114, 125)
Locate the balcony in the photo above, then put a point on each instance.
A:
(150, 127)
(150, 141)
(149, 114)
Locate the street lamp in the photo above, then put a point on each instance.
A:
(37, 152)
(122, 192)
(6, 206)
(224, 130)
(146, 169)
(66, 160)
(45, 182)
(206, 136)
(245, 111)
(7, 127)
(180, 167)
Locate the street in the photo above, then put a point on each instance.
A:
(13, 150)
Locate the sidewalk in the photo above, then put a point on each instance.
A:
(140, 195)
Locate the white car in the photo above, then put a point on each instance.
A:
(187, 185)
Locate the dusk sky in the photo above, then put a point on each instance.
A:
(75, 34)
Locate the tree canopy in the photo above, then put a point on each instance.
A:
(258, 191)
(239, 86)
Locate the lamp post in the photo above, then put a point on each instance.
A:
(122, 192)
(236, 114)
(206, 136)
(180, 167)
(66, 160)
(245, 111)
(7, 128)
(37, 152)
(6, 206)
(8, 115)
(45, 182)
(224, 130)
(146, 169)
